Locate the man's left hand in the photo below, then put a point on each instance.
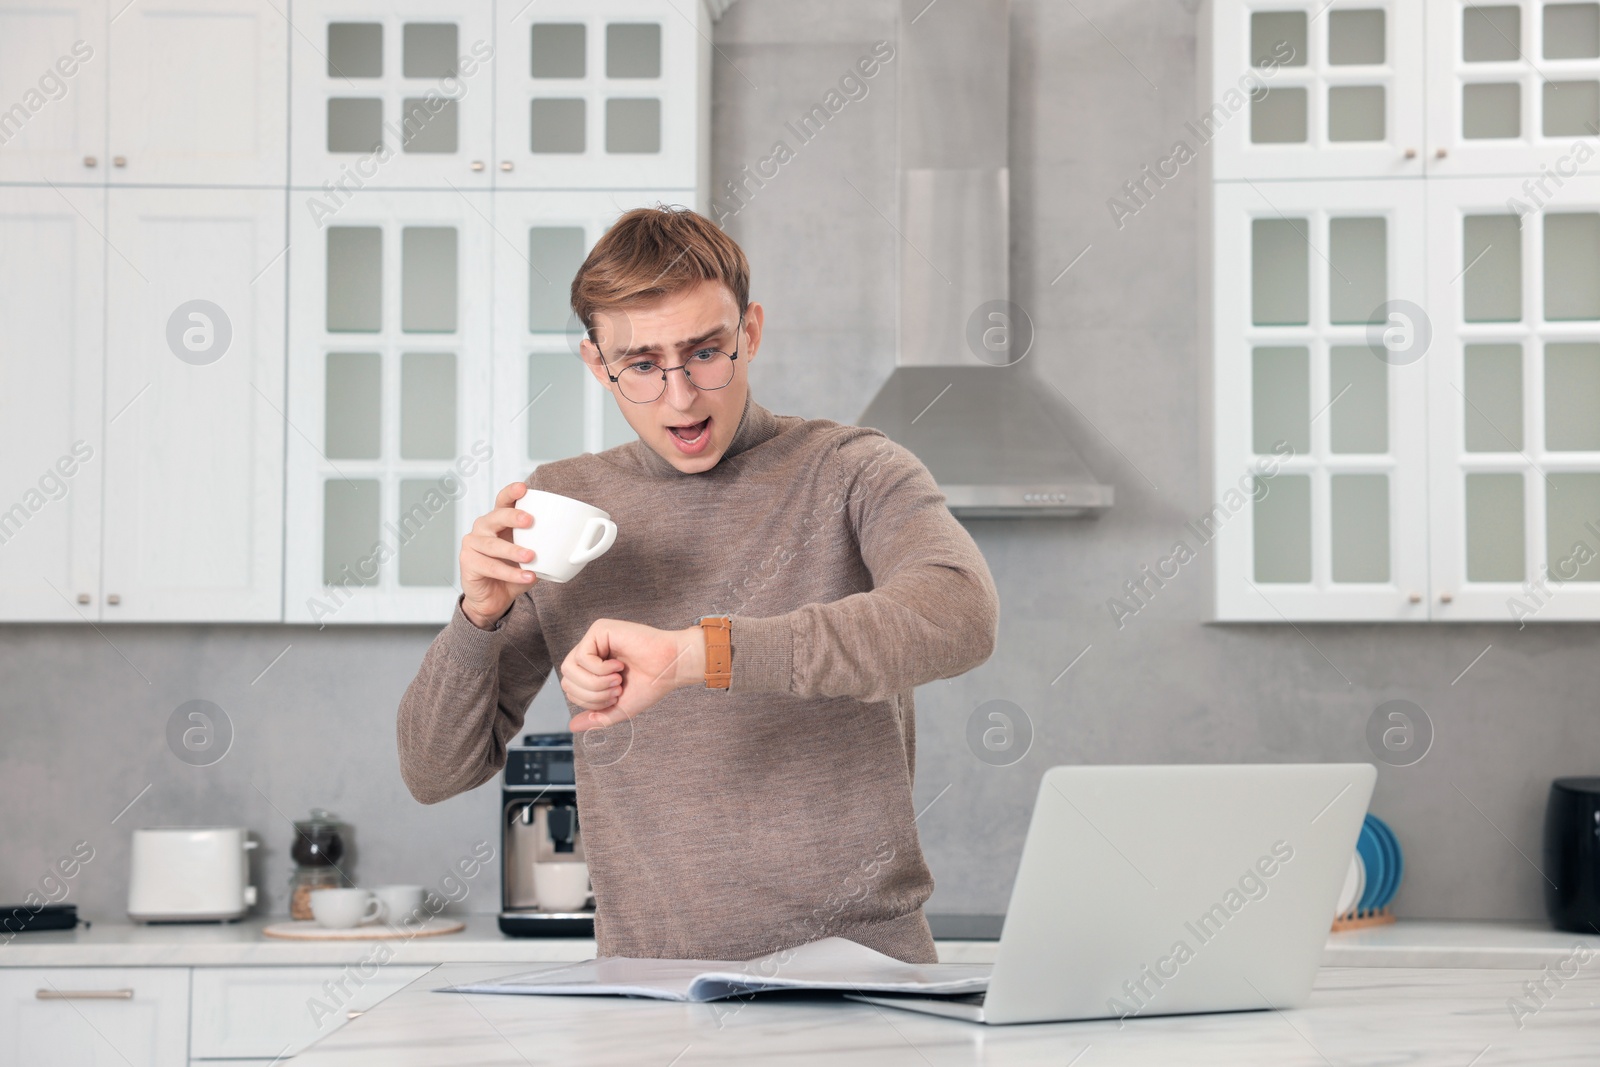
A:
(619, 669)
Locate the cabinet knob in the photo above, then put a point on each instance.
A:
(90, 161)
(477, 164)
(1411, 153)
(1415, 598)
(1440, 153)
(119, 161)
(505, 164)
(113, 600)
(1445, 598)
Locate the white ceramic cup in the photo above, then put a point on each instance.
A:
(561, 886)
(340, 909)
(565, 535)
(399, 901)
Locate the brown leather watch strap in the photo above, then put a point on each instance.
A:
(718, 632)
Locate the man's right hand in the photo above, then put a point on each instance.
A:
(491, 575)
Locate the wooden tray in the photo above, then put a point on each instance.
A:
(308, 930)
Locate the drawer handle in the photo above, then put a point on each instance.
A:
(84, 994)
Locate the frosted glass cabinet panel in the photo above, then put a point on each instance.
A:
(1515, 401)
(392, 95)
(608, 96)
(1321, 456)
(1513, 87)
(1308, 88)
(392, 450)
(547, 403)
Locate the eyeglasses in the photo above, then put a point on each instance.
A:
(644, 381)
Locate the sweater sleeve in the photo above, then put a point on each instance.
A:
(933, 611)
(468, 701)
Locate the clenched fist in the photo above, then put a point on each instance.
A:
(619, 669)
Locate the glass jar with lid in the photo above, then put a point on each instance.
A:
(319, 844)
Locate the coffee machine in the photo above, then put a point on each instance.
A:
(539, 824)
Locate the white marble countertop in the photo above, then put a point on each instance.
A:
(1356, 1017)
(1403, 944)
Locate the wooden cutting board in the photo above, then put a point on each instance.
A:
(308, 930)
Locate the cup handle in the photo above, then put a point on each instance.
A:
(608, 537)
(375, 910)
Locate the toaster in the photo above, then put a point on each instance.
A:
(190, 874)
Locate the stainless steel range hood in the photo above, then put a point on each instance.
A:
(993, 434)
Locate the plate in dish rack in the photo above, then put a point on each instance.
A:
(309, 930)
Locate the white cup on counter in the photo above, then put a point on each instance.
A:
(341, 909)
(400, 902)
(562, 886)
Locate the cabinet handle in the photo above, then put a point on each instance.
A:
(1445, 598)
(113, 600)
(1411, 153)
(83, 598)
(119, 161)
(505, 164)
(84, 994)
(1415, 598)
(90, 161)
(477, 164)
(1440, 153)
(354, 1014)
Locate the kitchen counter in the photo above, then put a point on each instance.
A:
(1356, 1016)
(241, 944)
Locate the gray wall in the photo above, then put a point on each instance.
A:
(82, 730)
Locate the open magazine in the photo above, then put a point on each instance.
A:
(831, 964)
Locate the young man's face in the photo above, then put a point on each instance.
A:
(668, 334)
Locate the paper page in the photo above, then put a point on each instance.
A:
(833, 963)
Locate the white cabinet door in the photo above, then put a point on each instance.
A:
(391, 443)
(1312, 89)
(1513, 88)
(1320, 506)
(52, 91)
(198, 93)
(391, 95)
(611, 96)
(52, 276)
(277, 1011)
(94, 1016)
(194, 405)
(547, 405)
(1515, 394)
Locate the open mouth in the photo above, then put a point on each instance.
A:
(691, 435)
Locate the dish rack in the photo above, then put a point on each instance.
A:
(1357, 919)
(1375, 872)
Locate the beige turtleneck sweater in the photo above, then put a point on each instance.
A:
(724, 824)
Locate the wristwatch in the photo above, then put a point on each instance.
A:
(718, 631)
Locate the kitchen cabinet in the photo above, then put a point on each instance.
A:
(94, 1016)
(273, 1012)
(53, 126)
(194, 397)
(1313, 89)
(1426, 325)
(602, 96)
(390, 326)
(1321, 436)
(391, 96)
(52, 295)
(197, 93)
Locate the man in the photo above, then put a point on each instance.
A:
(728, 809)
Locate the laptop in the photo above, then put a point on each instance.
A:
(1169, 891)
